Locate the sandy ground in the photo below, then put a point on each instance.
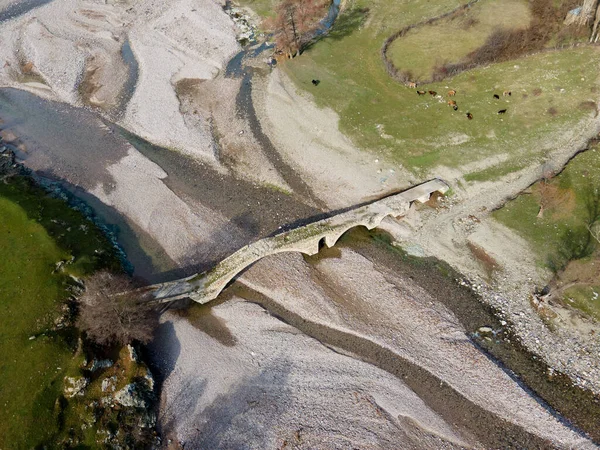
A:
(260, 383)
(236, 370)
(51, 49)
(351, 293)
(176, 40)
(238, 147)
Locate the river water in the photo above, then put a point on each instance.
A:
(18, 8)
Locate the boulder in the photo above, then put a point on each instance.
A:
(75, 386)
(132, 395)
(109, 384)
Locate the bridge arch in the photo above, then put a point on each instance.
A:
(308, 240)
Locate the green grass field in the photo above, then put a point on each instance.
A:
(450, 40)
(384, 117)
(562, 224)
(263, 8)
(36, 232)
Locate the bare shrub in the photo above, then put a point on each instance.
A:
(112, 312)
(552, 111)
(537, 92)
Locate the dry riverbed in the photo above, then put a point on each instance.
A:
(132, 108)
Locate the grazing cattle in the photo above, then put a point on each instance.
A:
(496, 96)
(469, 116)
(507, 93)
(451, 103)
(412, 85)
(421, 92)
(455, 107)
(452, 93)
(502, 111)
(316, 82)
(433, 93)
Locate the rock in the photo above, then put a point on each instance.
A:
(131, 395)
(101, 364)
(132, 353)
(75, 386)
(485, 330)
(109, 384)
(149, 379)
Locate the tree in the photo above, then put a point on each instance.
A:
(585, 16)
(112, 312)
(588, 12)
(296, 23)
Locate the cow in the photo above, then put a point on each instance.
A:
(412, 85)
(421, 92)
(502, 111)
(451, 103)
(455, 107)
(469, 116)
(316, 82)
(452, 93)
(433, 93)
(496, 96)
(507, 93)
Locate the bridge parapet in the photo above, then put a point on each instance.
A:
(307, 239)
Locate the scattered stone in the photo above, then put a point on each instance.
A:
(75, 386)
(485, 330)
(149, 380)
(132, 353)
(109, 384)
(101, 364)
(131, 395)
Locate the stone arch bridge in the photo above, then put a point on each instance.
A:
(307, 239)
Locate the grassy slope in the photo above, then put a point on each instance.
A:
(32, 371)
(451, 39)
(420, 133)
(263, 8)
(565, 210)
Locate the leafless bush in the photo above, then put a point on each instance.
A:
(112, 312)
